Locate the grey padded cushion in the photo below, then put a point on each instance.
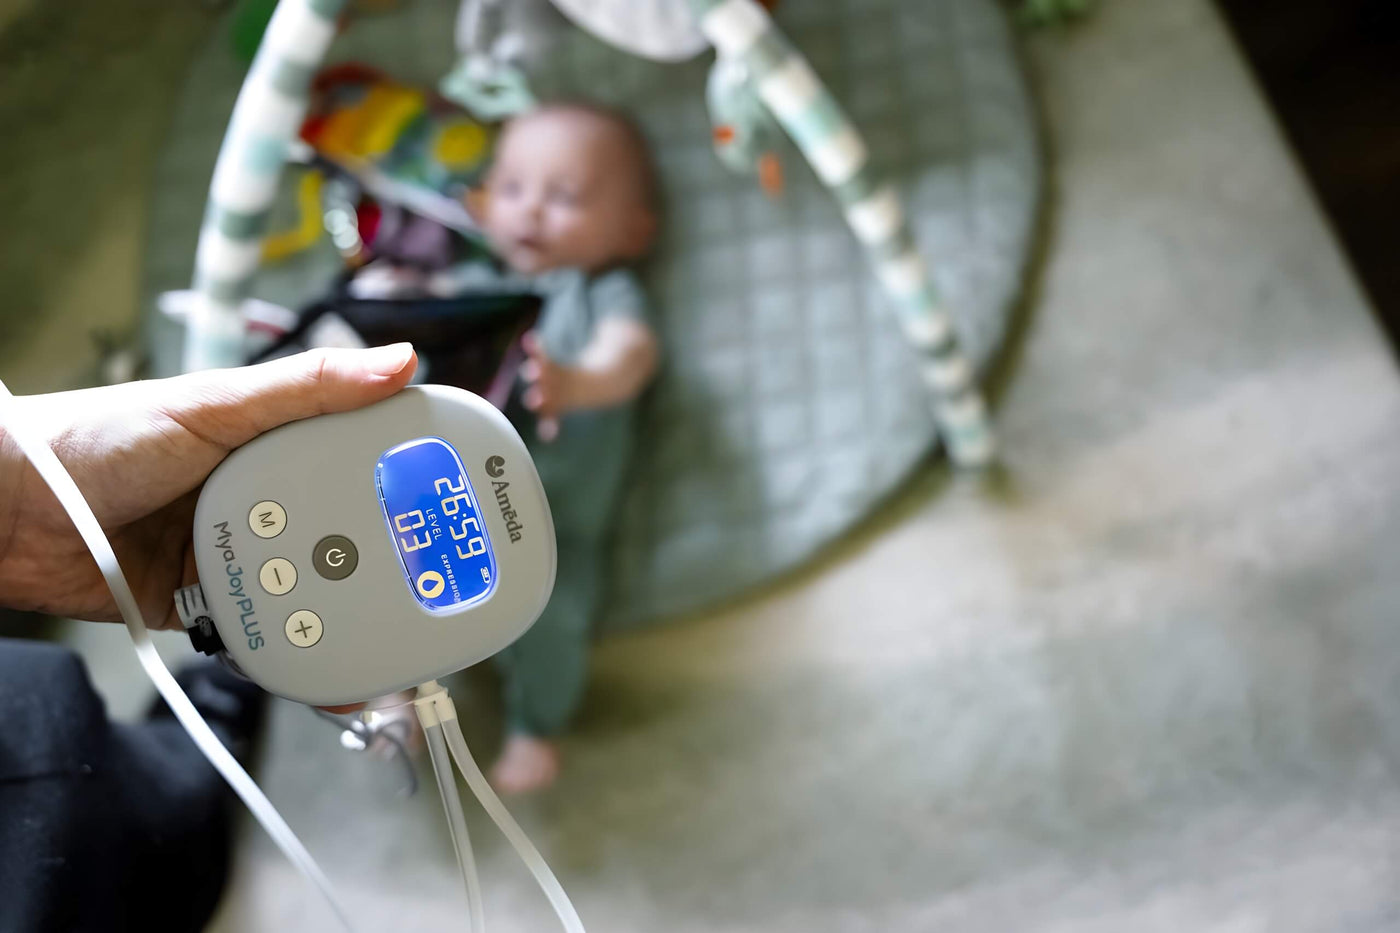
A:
(789, 406)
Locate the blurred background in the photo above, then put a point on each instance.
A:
(1330, 73)
(1146, 677)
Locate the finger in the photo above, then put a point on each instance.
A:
(547, 428)
(533, 347)
(530, 370)
(537, 400)
(231, 407)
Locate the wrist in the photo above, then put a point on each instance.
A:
(581, 388)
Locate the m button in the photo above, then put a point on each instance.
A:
(335, 557)
(267, 519)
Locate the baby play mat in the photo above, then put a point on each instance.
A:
(790, 404)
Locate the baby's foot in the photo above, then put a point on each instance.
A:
(527, 764)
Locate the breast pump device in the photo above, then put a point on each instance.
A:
(348, 556)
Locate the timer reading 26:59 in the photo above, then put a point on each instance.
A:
(433, 518)
(469, 530)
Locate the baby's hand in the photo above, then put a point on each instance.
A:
(613, 369)
(547, 387)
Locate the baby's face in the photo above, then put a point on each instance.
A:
(566, 190)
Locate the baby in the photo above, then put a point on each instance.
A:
(568, 203)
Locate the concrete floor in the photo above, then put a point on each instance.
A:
(1151, 685)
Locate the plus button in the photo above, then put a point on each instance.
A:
(303, 628)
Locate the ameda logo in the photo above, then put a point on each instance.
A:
(495, 467)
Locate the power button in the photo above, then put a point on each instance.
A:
(335, 557)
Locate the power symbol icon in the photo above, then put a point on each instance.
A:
(335, 557)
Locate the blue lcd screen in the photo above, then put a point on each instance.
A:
(435, 524)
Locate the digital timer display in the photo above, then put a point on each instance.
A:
(433, 519)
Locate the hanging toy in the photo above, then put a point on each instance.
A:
(488, 88)
(487, 79)
(746, 136)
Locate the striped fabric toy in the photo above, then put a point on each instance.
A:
(741, 29)
(266, 118)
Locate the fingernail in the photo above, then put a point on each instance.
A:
(390, 360)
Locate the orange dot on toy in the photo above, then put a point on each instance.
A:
(770, 174)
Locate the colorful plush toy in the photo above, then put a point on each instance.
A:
(359, 117)
(401, 147)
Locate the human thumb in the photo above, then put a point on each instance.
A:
(233, 406)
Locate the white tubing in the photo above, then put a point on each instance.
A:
(36, 448)
(456, 822)
(553, 890)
